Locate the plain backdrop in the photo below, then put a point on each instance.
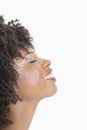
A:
(59, 30)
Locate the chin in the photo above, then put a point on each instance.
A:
(52, 91)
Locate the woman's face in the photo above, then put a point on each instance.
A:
(35, 77)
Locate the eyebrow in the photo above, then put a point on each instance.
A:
(29, 52)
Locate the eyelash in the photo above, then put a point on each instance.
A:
(32, 61)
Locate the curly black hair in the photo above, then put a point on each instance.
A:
(13, 37)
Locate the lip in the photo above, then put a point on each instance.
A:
(48, 72)
(49, 76)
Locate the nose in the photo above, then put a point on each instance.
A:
(46, 63)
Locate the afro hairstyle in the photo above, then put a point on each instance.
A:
(13, 37)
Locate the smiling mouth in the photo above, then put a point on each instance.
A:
(49, 76)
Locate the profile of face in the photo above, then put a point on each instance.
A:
(35, 77)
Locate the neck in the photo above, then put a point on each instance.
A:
(21, 114)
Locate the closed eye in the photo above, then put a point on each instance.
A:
(32, 61)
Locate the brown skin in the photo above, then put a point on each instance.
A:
(32, 88)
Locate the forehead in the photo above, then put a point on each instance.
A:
(24, 53)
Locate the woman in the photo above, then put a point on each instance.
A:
(25, 78)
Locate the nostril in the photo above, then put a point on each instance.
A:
(46, 63)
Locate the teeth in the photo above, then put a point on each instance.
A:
(48, 76)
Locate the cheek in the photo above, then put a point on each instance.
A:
(30, 78)
(28, 83)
